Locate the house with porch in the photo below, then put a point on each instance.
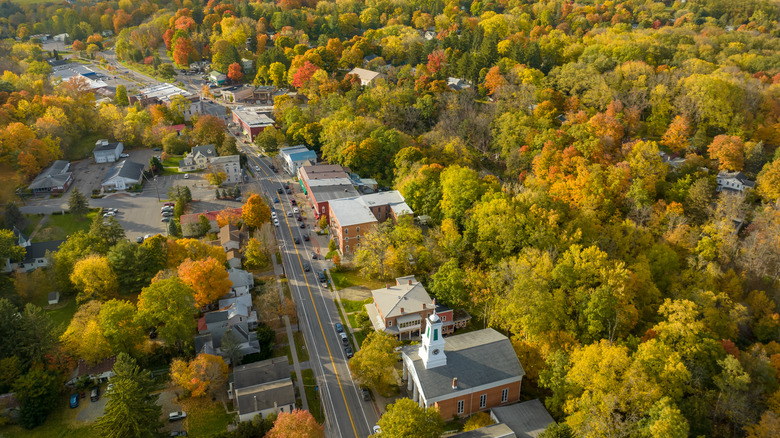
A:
(54, 179)
(402, 310)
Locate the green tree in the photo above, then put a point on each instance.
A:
(405, 418)
(121, 98)
(78, 204)
(155, 165)
(557, 430)
(107, 230)
(449, 284)
(13, 217)
(461, 187)
(120, 327)
(132, 410)
(76, 247)
(277, 73)
(373, 364)
(255, 255)
(167, 71)
(8, 247)
(168, 305)
(204, 226)
(38, 394)
(122, 258)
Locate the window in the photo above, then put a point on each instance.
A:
(444, 317)
(482, 400)
(389, 322)
(357, 230)
(504, 395)
(346, 239)
(435, 335)
(346, 230)
(346, 248)
(358, 238)
(461, 405)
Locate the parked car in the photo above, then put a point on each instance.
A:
(167, 214)
(295, 210)
(166, 208)
(298, 218)
(157, 149)
(344, 338)
(306, 237)
(74, 400)
(366, 394)
(109, 214)
(279, 191)
(339, 327)
(292, 202)
(306, 267)
(313, 255)
(289, 192)
(323, 278)
(178, 415)
(257, 168)
(297, 241)
(377, 430)
(348, 350)
(165, 219)
(94, 394)
(276, 222)
(303, 225)
(124, 155)
(186, 176)
(140, 239)
(289, 214)
(276, 200)
(169, 204)
(112, 210)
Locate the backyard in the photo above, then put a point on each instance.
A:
(205, 417)
(61, 423)
(60, 226)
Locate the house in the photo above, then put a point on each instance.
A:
(734, 182)
(230, 165)
(247, 65)
(527, 420)
(243, 282)
(238, 94)
(262, 388)
(35, 254)
(123, 176)
(365, 76)
(457, 84)
(348, 216)
(99, 372)
(217, 78)
(294, 157)
(54, 297)
(190, 222)
(234, 258)
(673, 161)
(237, 320)
(265, 94)
(106, 152)
(229, 237)
(253, 120)
(62, 38)
(55, 179)
(402, 310)
(198, 158)
(463, 375)
(322, 183)
(239, 309)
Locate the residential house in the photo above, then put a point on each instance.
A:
(262, 388)
(402, 310)
(243, 282)
(230, 237)
(253, 120)
(247, 65)
(238, 319)
(294, 157)
(190, 223)
(527, 419)
(175, 128)
(106, 152)
(198, 158)
(457, 84)
(351, 218)
(123, 175)
(35, 254)
(100, 372)
(734, 182)
(230, 165)
(365, 76)
(322, 183)
(463, 375)
(234, 259)
(55, 179)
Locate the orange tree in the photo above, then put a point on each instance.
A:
(207, 278)
(206, 374)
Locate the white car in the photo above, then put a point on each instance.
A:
(109, 214)
(257, 168)
(276, 222)
(377, 430)
(124, 155)
(178, 415)
(273, 215)
(295, 210)
(186, 176)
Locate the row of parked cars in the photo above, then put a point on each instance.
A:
(167, 211)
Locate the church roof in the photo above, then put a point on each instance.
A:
(477, 359)
(527, 419)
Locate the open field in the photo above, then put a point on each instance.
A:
(344, 278)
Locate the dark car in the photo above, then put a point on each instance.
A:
(94, 395)
(279, 191)
(348, 350)
(306, 267)
(292, 202)
(289, 192)
(276, 200)
(140, 239)
(74, 400)
(303, 225)
(306, 237)
(313, 255)
(286, 186)
(366, 394)
(179, 433)
(297, 241)
(157, 149)
(323, 279)
(339, 327)
(298, 218)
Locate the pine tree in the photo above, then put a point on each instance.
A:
(187, 195)
(131, 410)
(216, 193)
(78, 204)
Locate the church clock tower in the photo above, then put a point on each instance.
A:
(432, 349)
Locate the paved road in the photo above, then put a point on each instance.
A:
(346, 413)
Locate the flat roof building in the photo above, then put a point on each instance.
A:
(325, 182)
(295, 157)
(253, 119)
(159, 94)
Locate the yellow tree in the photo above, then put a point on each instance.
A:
(206, 374)
(768, 181)
(255, 212)
(84, 337)
(373, 364)
(94, 278)
(255, 255)
(208, 278)
(228, 217)
(194, 249)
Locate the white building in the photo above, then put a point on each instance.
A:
(123, 176)
(231, 165)
(734, 182)
(262, 388)
(106, 152)
(366, 76)
(295, 157)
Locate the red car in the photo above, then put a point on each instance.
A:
(169, 204)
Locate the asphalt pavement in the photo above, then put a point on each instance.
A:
(346, 413)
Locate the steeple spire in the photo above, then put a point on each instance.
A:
(432, 349)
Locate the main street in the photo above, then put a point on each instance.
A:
(345, 411)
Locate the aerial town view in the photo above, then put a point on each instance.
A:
(390, 218)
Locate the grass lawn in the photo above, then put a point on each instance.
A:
(312, 395)
(62, 315)
(300, 347)
(355, 306)
(61, 423)
(32, 222)
(83, 147)
(205, 417)
(60, 226)
(282, 350)
(172, 161)
(344, 278)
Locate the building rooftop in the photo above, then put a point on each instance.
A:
(265, 396)
(527, 419)
(257, 373)
(365, 76)
(105, 145)
(38, 250)
(499, 430)
(407, 294)
(125, 169)
(476, 358)
(54, 176)
(322, 171)
(351, 211)
(393, 198)
(254, 116)
(163, 92)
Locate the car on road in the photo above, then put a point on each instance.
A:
(323, 279)
(140, 239)
(276, 222)
(279, 191)
(94, 395)
(298, 218)
(157, 149)
(276, 200)
(74, 400)
(366, 394)
(292, 202)
(306, 267)
(303, 225)
(313, 255)
(348, 350)
(178, 415)
(306, 237)
(186, 176)
(339, 327)
(289, 214)
(295, 210)
(297, 241)
(289, 192)
(257, 168)
(109, 214)
(165, 219)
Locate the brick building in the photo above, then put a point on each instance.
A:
(468, 373)
(351, 218)
(322, 183)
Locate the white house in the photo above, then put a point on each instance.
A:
(243, 282)
(366, 76)
(734, 182)
(198, 158)
(123, 175)
(295, 157)
(230, 165)
(106, 152)
(35, 254)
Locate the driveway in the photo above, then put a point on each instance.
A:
(90, 411)
(169, 404)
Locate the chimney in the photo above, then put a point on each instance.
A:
(454, 383)
(424, 306)
(410, 282)
(402, 310)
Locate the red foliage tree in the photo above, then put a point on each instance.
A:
(234, 72)
(435, 61)
(167, 38)
(78, 45)
(729, 151)
(303, 74)
(182, 50)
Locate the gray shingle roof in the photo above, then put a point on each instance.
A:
(54, 176)
(527, 419)
(105, 146)
(125, 169)
(264, 371)
(476, 359)
(493, 431)
(264, 396)
(411, 298)
(38, 250)
(207, 150)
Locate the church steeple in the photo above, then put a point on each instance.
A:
(432, 349)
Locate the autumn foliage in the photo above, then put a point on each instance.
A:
(298, 423)
(234, 72)
(206, 374)
(207, 277)
(729, 150)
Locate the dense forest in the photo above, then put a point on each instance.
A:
(570, 182)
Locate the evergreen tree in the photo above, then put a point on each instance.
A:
(132, 410)
(187, 195)
(13, 217)
(78, 204)
(216, 193)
